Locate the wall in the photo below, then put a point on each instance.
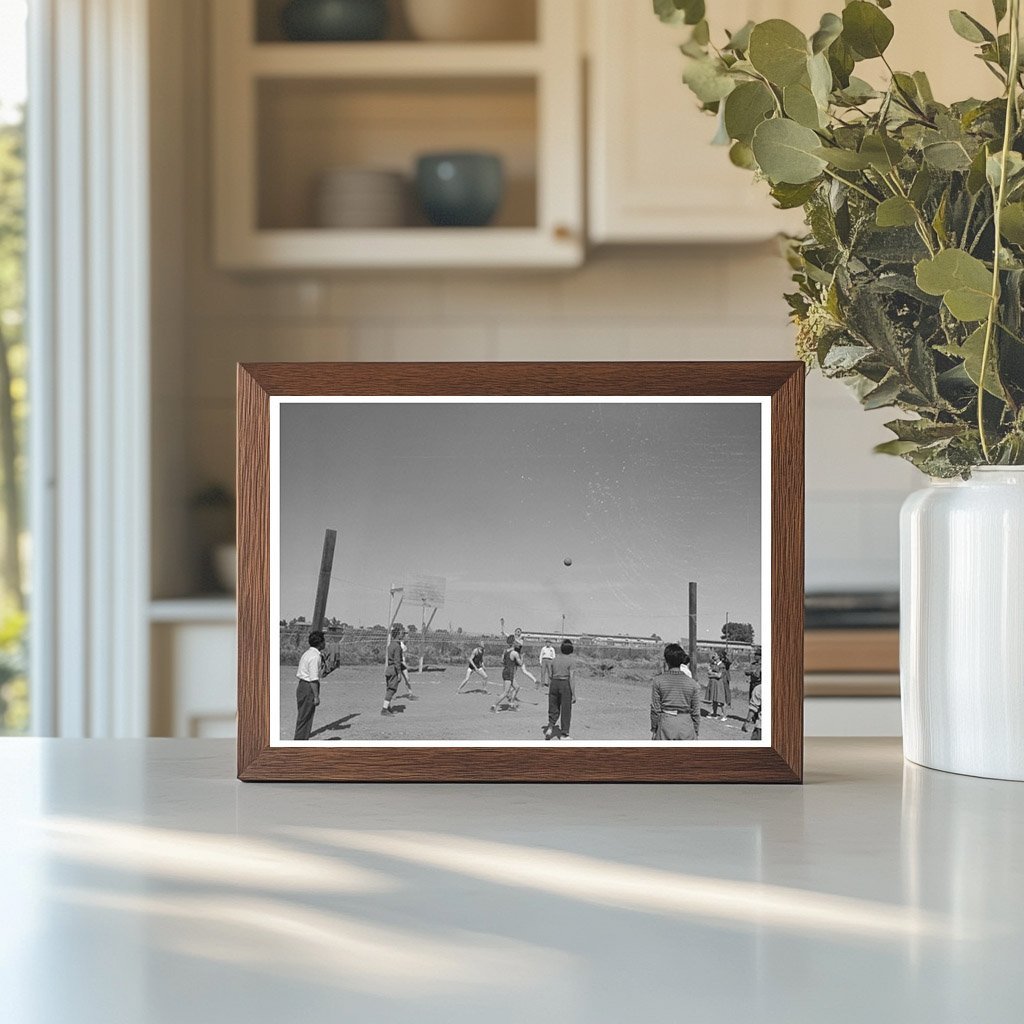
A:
(654, 303)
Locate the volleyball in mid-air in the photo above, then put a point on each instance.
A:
(566, 561)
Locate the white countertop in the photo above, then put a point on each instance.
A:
(143, 885)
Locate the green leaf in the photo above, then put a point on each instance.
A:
(820, 77)
(858, 91)
(939, 220)
(778, 50)
(895, 447)
(963, 281)
(883, 153)
(923, 431)
(866, 29)
(969, 28)
(896, 212)
(739, 41)
(708, 80)
(785, 152)
(701, 33)
(742, 155)
(721, 137)
(676, 12)
(999, 7)
(745, 108)
(829, 30)
(906, 88)
(971, 352)
(921, 185)
(844, 159)
(1014, 169)
(976, 174)
(885, 394)
(924, 87)
(1012, 224)
(946, 156)
(800, 105)
(695, 11)
(841, 60)
(789, 197)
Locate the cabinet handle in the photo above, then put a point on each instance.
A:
(563, 232)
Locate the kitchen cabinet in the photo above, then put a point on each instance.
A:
(287, 113)
(193, 667)
(653, 175)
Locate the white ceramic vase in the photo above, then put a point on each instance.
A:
(962, 624)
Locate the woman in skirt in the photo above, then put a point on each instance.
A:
(715, 694)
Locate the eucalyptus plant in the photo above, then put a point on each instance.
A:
(910, 278)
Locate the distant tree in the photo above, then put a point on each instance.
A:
(738, 632)
(654, 636)
(459, 631)
(411, 628)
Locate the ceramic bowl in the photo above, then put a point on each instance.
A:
(470, 20)
(358, 197)
(334, 20)
(460, 189)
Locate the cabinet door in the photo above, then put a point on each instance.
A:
(654, 176)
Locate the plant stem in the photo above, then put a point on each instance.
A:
(856, 188)
(922, 225)
(993, 309)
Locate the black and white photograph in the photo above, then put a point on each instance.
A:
(520, 571)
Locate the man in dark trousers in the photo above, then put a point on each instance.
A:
(393, 670)
(313, 666)
(675, 699)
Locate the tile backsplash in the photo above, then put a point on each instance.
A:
(699, 302)
(717, 302)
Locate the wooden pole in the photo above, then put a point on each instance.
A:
(693, 628)
(324, 583)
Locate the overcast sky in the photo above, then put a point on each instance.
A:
(642, 497)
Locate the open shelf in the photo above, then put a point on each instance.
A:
(393, 60)
(308, 127)
(287, 113)
(520, 17)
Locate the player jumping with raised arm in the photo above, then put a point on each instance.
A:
(526, 672)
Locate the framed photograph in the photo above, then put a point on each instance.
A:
(516, 572)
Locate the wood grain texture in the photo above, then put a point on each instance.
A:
(782, 762)
(252, 487)
(852, 650)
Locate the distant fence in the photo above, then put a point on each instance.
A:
(441, 648)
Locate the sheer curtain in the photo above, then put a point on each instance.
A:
(88, 300)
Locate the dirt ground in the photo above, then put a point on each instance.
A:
(607, 708)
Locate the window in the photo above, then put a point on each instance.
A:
(14, 549)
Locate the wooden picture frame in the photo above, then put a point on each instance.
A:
(780, 760)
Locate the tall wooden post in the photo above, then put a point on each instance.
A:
(324, 583)
(693, 627)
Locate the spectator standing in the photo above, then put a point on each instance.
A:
(312, 668)
(675, 699)
(561, 693)
(547, 659)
